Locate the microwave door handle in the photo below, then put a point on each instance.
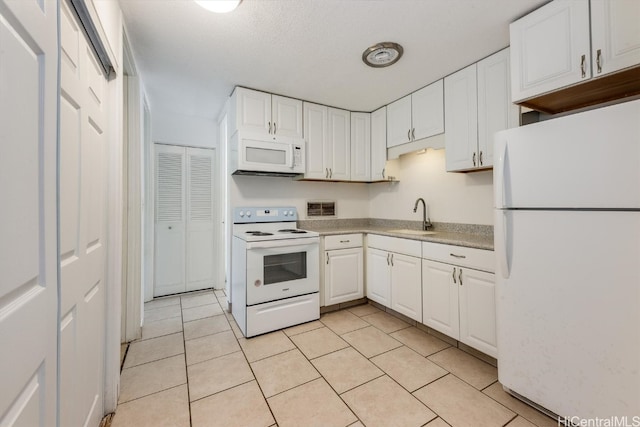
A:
(291, 156)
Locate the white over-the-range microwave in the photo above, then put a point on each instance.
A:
(266, 155)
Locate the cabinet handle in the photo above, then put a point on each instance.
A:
(481, 158)
(388, 262)
(583, 63)
(460, 276)
(330, 172)
(474, 158)
(274, 128)
(383, 169)
(409, 134)
(391, 260)
(599, 60)
(327, 258)
(413, 134)
(345, 241)
(326, 172)
(269, 127)
(457, 256)
(454, 275)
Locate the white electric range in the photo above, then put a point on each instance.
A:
(275, 277)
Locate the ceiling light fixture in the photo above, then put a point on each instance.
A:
(382, 54)
(219, 6)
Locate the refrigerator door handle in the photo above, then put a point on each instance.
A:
(502, 226)
(500, 173)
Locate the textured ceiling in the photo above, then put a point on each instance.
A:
(190, 59)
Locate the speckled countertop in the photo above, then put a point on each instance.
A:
(468, 235)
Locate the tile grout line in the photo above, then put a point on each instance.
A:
(186, 371)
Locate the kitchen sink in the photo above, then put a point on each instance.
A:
(413, 232)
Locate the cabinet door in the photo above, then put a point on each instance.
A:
(253, 110)
(343, 277)
(399, 122)
(378, 144)
(339, 144)
(440, 297)
(550, 48)
(461, 119)
(406, 286)
(478, 310)
(496, 112)
(315, 134)
(427, 111)
(286, 115)
(361, 147)
(378, 276)
(615, 35)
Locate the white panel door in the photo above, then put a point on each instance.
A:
(399, 122)
(286, 115)
(406, 286)
(200, 248)
(170, 220)
(253, 110)
(361, 147)
(550, 48)
(427, 111)
(378, 276)
(343, 277)
(28, 218)
(477, 302)
(615, 35)
(440, 297)
(83, 191)
(339, 144)
(461, 117)
(315, 134)
(496, 112)
(378, 144)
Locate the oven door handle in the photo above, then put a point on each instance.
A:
(266, 244)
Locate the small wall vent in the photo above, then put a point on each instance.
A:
(321, 209)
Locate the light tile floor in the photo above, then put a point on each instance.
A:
(354, 367)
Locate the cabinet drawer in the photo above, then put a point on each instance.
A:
(394, 244)
(478, 259)
(343, 241)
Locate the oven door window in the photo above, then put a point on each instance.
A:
(285, 267)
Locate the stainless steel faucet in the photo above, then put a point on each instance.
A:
(426, 222)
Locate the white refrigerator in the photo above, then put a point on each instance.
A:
(567, 242)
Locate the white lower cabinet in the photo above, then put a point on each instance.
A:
(343, 268)
(394, 279)
(460, 302)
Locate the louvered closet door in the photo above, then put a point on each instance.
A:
(170, 220)
(200, 213)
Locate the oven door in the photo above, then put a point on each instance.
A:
(278, 269)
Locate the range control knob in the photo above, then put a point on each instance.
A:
(241, 213)
(286, 213)
(248, 213)
(291, 213)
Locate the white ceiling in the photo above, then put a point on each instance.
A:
(190, 59)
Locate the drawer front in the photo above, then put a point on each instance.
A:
(478, 259)
(343, 241)
(395, 244)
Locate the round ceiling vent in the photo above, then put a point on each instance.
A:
(382, 54)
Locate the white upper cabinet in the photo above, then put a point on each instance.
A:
(286, 115)
(328, 135)
(427, 111)
(615, 35)
(378, 144)
(262, 112)
(361, 147)
(399, 122)
(496, 112)
(315, 134)
(461, 113)
(416, 116)
(550, 48)
(477, 104)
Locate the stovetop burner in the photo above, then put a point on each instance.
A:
(259, 233)
(287, 230)
(299, 232)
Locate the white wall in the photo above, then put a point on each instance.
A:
(352, 199)
(169, 127)
(465, 198)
